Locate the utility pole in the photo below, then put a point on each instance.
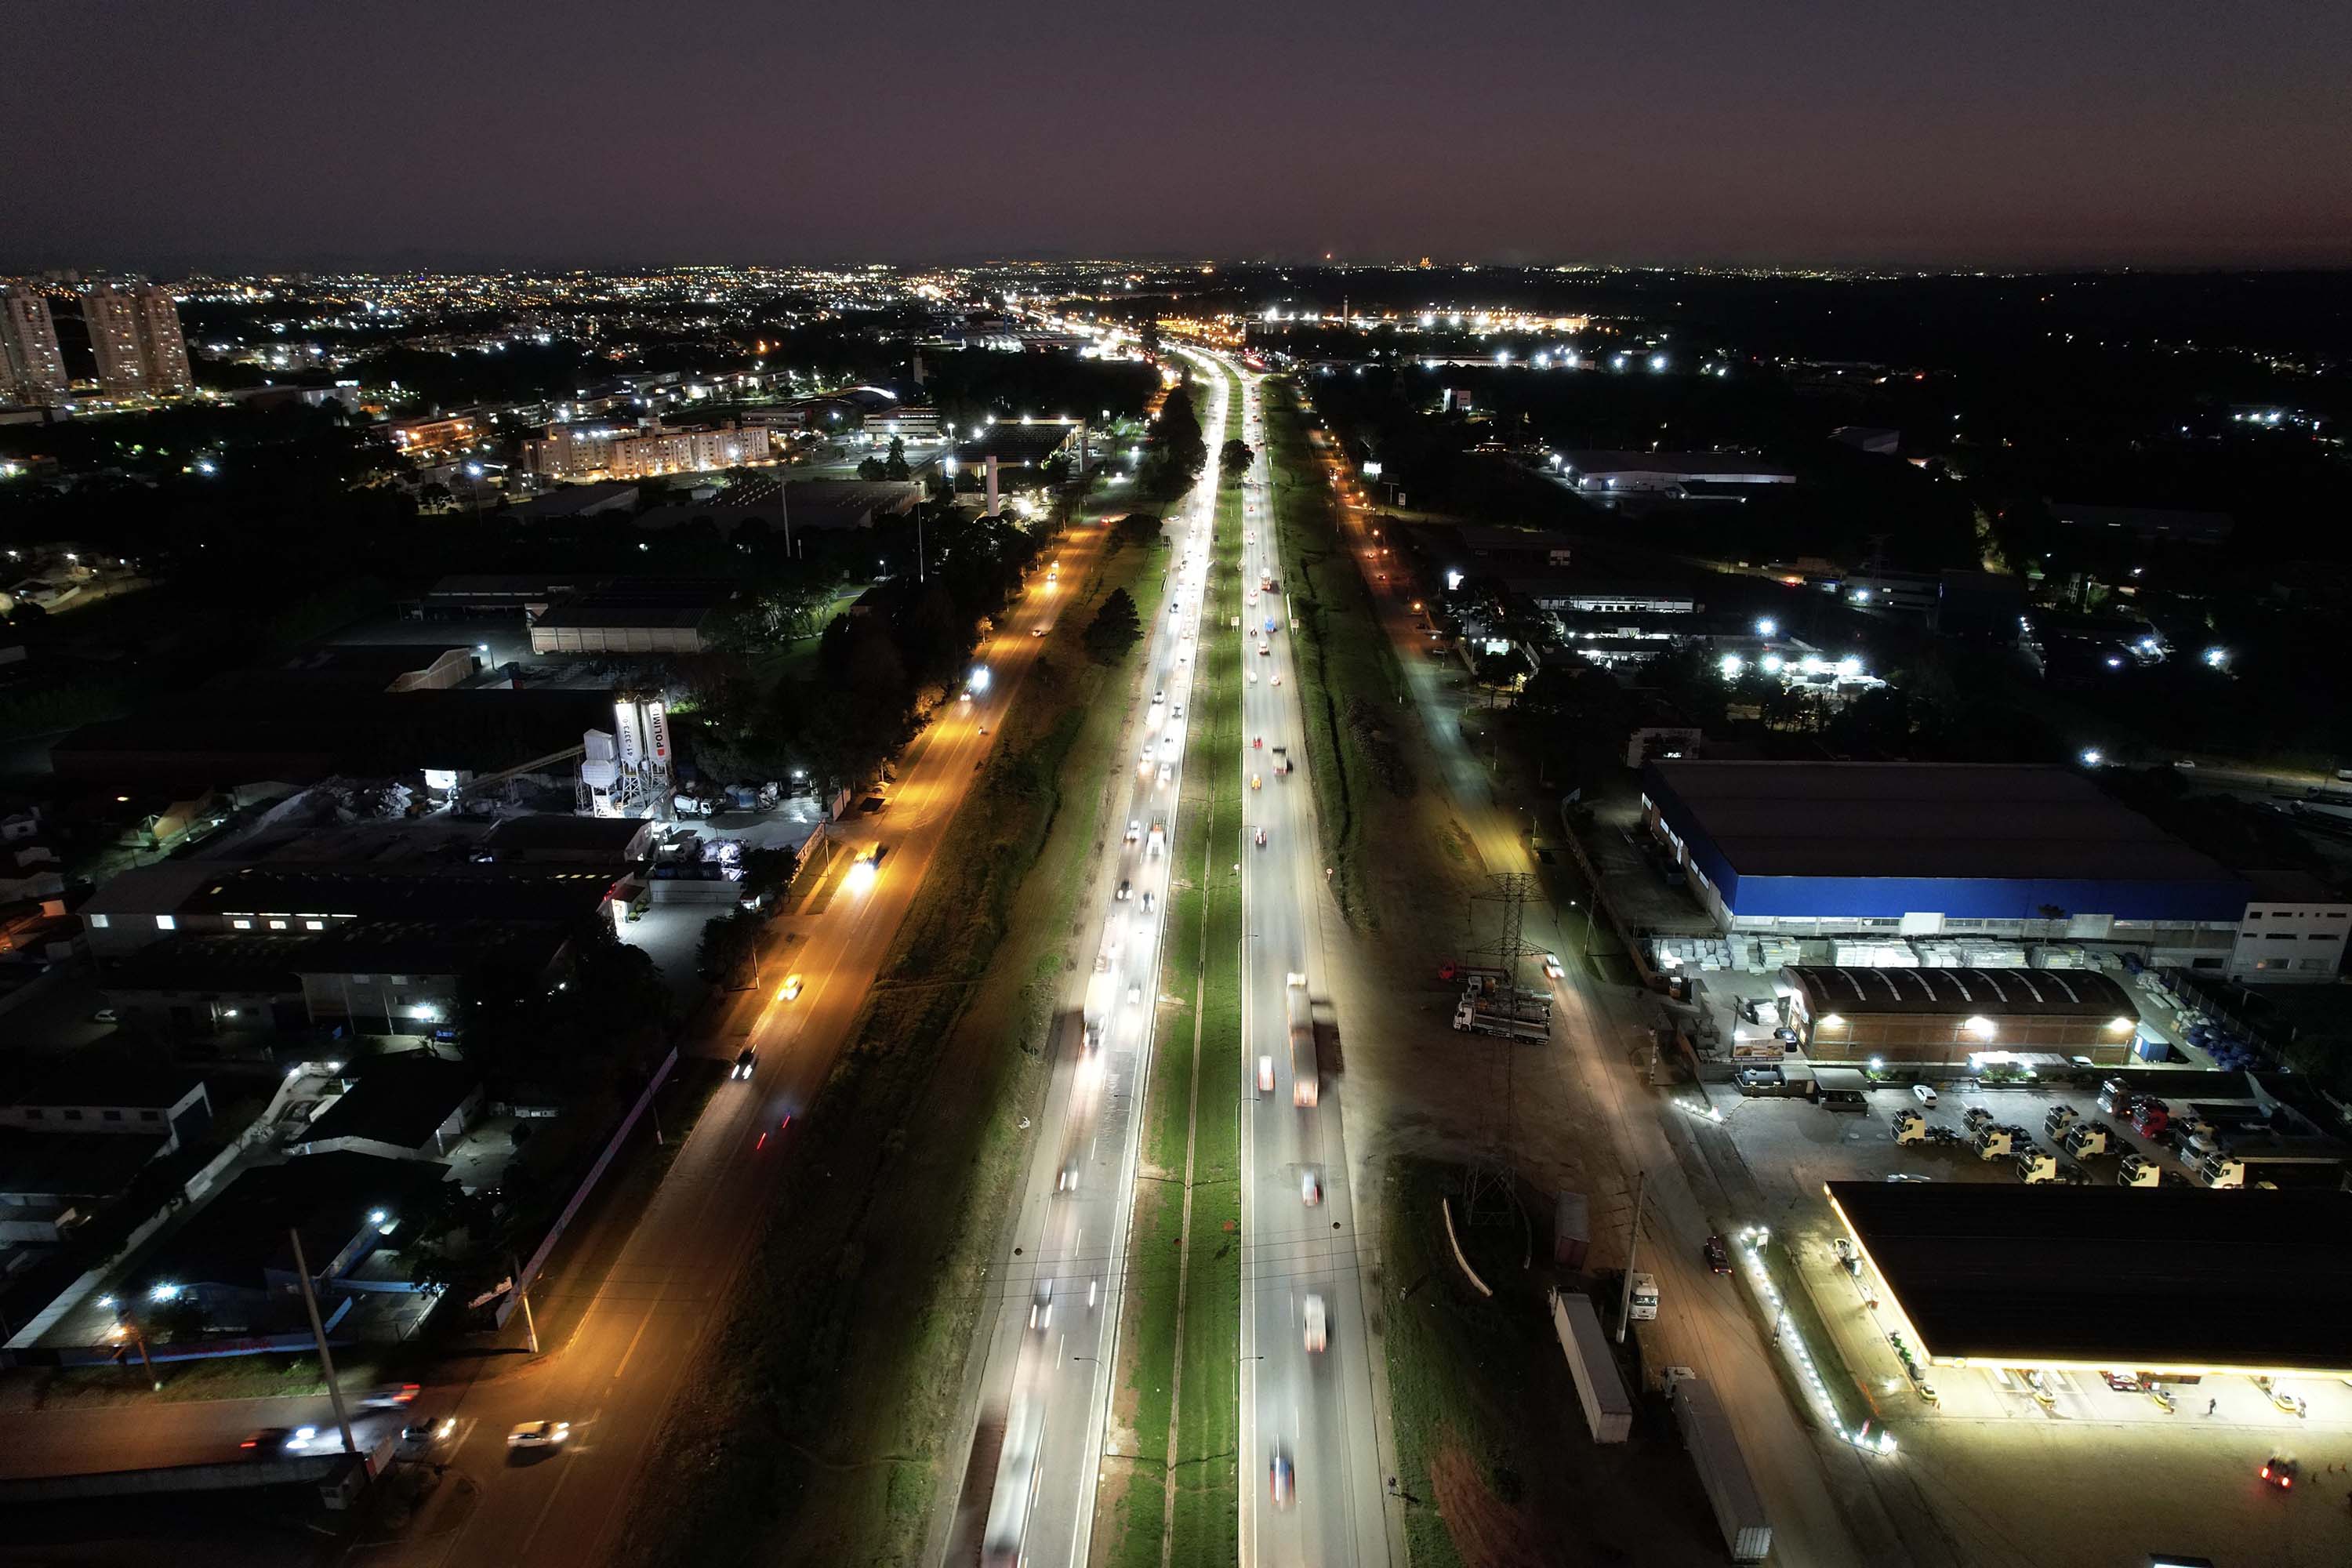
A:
(1633, 1244)
(128, 1327)
(319, 1334)
(530, 1324)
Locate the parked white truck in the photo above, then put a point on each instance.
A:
(1527, 1017)
(1600, 1387)
(1722, 1471)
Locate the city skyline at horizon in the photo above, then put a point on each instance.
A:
(1838, 138)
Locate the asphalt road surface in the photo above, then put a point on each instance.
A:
(625, 1359)
(1309, 1409)
(1050, 1341)
(1703, 1322)
(617, 1362)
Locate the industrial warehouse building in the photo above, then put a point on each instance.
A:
(1865, 864)
(1958, 1018)
(2181, 1281)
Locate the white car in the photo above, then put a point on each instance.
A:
(1318, 1331)
(538, 1434)
(1552, 965)
(1924, 1094)
(1040, 1306)
(1266, 1075)
(1158, 698)
(1134, 830)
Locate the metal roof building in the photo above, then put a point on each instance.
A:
(1947, 1017)
(2166, 1279)
(1925, 848)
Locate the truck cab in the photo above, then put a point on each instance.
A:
(2134, 1172)
(2035, 1166)
(2151, 1116)
(2221, 1171)
(1992, 1142)
(2087, 1138)
(1910, 1126)
(2061, 1118)
(1157, 839)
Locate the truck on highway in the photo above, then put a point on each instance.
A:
(1016, 1486)
(1599, 1386)
(1722, 1471)
(1281, 761)
(1525, 1017)
(1156, 841)
(1306, 1084)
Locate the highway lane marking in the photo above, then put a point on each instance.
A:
(541, 1518)
(643, 1325)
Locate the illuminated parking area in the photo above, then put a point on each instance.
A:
(2107, 1303)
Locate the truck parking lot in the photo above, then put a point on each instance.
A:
(2032, 1447)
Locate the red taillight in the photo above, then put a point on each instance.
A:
(762, 1143)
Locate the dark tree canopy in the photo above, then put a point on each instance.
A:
(1116, 627)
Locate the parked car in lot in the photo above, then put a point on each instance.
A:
(1924, 1093)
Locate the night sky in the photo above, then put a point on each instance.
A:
(168, 134)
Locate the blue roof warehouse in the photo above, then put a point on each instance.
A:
(1780, 853)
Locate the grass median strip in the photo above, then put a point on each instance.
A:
(1348, 672)
(816, 1427)
(1179, 1349)
(1205, 1520)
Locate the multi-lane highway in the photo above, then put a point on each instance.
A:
(622, 1338)
(1311, 1487)
(1050, 1339)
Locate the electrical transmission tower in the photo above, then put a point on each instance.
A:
(1491, 1194)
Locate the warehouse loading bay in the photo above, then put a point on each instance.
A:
(2023, 1461)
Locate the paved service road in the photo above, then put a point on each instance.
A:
(1308, 1409)
(612, 1365)
(1050, 1337)
(1701, 1325)
(615, 1372)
